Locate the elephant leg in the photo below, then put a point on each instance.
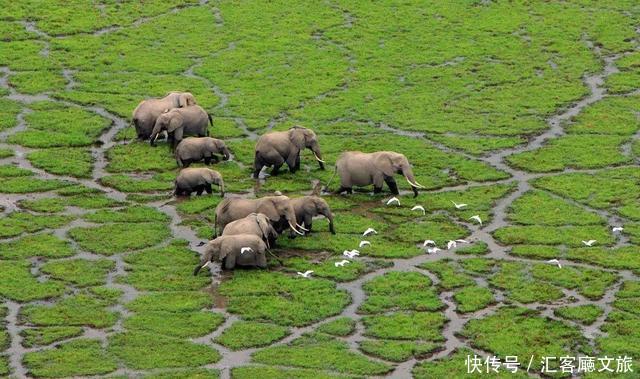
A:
(207, 161)
(377, 190)
(307, 221)
(230, 261)
(208, 188)
(293, 161)
(391, 182)
(258, 164)
(261, 260)
(186, 163)
(276, 169)
(199, 190)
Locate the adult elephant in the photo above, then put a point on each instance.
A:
(276, 148)
(362, 169)
(234, 250)
(145, 115)
(278, 210)
(257, 224)
(195, 149)
(308, 207)
(179, 122)
(197, 180)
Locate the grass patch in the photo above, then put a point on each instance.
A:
(40, 245)
(63, 161)
(18, 284)
(473, 298)
(80, 272)
(34, 337)
(78, 310)
(247, 334)
(400, 291)
(342, 326)
(584, 314)
(115, 238)
(81, 357)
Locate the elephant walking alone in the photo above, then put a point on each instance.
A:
(146, 113)
(360, 169)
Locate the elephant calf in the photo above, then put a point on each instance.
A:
(234, 250)
(197, 180)
(276, 148)
(179, 122)
(256, 224)
(362, 169)
(308, 207)
(195, 149)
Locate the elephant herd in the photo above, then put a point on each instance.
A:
(246, 228)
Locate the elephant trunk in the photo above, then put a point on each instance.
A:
(221, 184)
(154, 134)
(408, 175)
(329, 217)
(226, 154)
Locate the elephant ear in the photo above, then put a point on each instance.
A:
(175, 123)
(264, 225)
(184, 98)
(296, 136)
(225, 250)
(384, 163)
(269, 209)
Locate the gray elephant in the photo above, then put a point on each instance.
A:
(195, 149)
(308, 207)
(362, 169)
(145, 115)
(276, 148)
(257, 224)
(277, 208)
(234, 250)
(197, 179)
(179, 122)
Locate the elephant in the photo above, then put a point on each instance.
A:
(257, 224)
(195, 149)
(277, 208)
(307, 207)
(276, 148)
(145, 115)
(234, 250)
(178, 122)
(197, 179)
(361, 169)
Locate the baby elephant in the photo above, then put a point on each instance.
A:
(308, 207)
(234, 250)
(198, 180)
(179, 122)
(276, 148)
(257, 224)
(195, 149)
(362, 169)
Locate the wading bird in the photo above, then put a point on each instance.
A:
(369, 231)
(419, 208)
(617, 229)
(458, 206)
(433, 250)
(451, 244)
(393, 200)
(555, 261)
(351, 253)
(589, 243)
(462, 241)
(477, 218)
(306, 274)
(342, 263)
(428, 243)
(364, 243)
(246, 249)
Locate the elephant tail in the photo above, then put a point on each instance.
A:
(326, 187)
(210, 119)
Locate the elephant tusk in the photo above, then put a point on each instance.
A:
(294, 229)
(302, 227)
(318, 159)
(205, 265)
(414, 184)
(419, 185)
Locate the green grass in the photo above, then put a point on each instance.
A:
(267, 372)
(116, 238)
(473, 298)
(134, 214)
(520, 332)
(450, 277)
(585, 314)
(140, 156)
(33, 82)
(183, 325)
(81, 357)
(319, 352)
(18, 284)
(282, 299)
(142, 351)
(400, 291)
(551, 235)
(77, 310)
(397, 351)
(126, 183)
(80, 272)
(40, 245)
(45, 336)
(540, 208)
(63, 161)
(25, 185)
(424, 326)
(342, 326)
(247, 334)
(171, 301)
